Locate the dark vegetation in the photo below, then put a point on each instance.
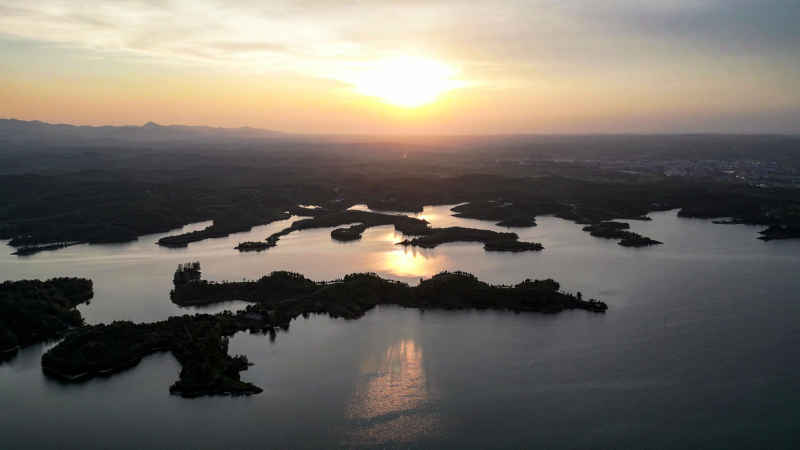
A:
(426, 236)
(324, 218)
(619, 230)
(200, 342)
(62, 184)
(789, 228)
(64, 213)
(492, 240)
(280, 286)
(511, 245)
(190, 290)
(223, 227)
(33, 311)
(637, 240)
(33, 249)
(186, 273)
(351, 233)
(780, 232)
(503, 212)
(518, 222)
(251, 246)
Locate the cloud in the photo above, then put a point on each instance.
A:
(674, 53)
(305, 35)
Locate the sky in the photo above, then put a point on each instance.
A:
(410, 66)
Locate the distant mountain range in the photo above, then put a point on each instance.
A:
(19, 132)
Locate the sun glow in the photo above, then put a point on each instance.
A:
(408, 82)
(411, 262)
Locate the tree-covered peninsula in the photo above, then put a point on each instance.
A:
(200, 342)
(33, 311)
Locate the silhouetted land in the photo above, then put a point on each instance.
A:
(780, 232)
(251, 246)
(451, 293)
(518, 222)
(324, 218)
(511, 245)
(223, 227)
(114, 211)
(197, 342)
(619, 230)
(33, 249)
(33, 311)
(190, 290)
(503, 212)
(637, 240)
(426, 236)
(94, 185)
(351, 233)
(492, 240)
(200, 342)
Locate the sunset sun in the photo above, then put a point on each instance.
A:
(406, 81)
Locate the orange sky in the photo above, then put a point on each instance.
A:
(351, 67)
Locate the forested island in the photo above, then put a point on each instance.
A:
(28, 250)
(200, 344)
(492, 240)
(351, 233)
(423, 234)
(447, 290)
(33, 311)
(619, 230)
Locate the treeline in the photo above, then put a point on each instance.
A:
(244, 187)
(449, 290)
(33, 311)
(200, 342)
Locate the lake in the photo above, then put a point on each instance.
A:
(698, 348)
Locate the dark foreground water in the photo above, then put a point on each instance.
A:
(699, 348)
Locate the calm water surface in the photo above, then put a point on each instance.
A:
(698, 349)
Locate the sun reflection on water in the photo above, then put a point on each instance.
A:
(413, 262)
(408, 262)
(393, 403)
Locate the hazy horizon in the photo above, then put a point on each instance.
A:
(400, 134)
(378, 67)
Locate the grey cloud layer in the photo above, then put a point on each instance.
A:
(481, 30)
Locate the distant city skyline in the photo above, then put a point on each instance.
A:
(440, 67)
